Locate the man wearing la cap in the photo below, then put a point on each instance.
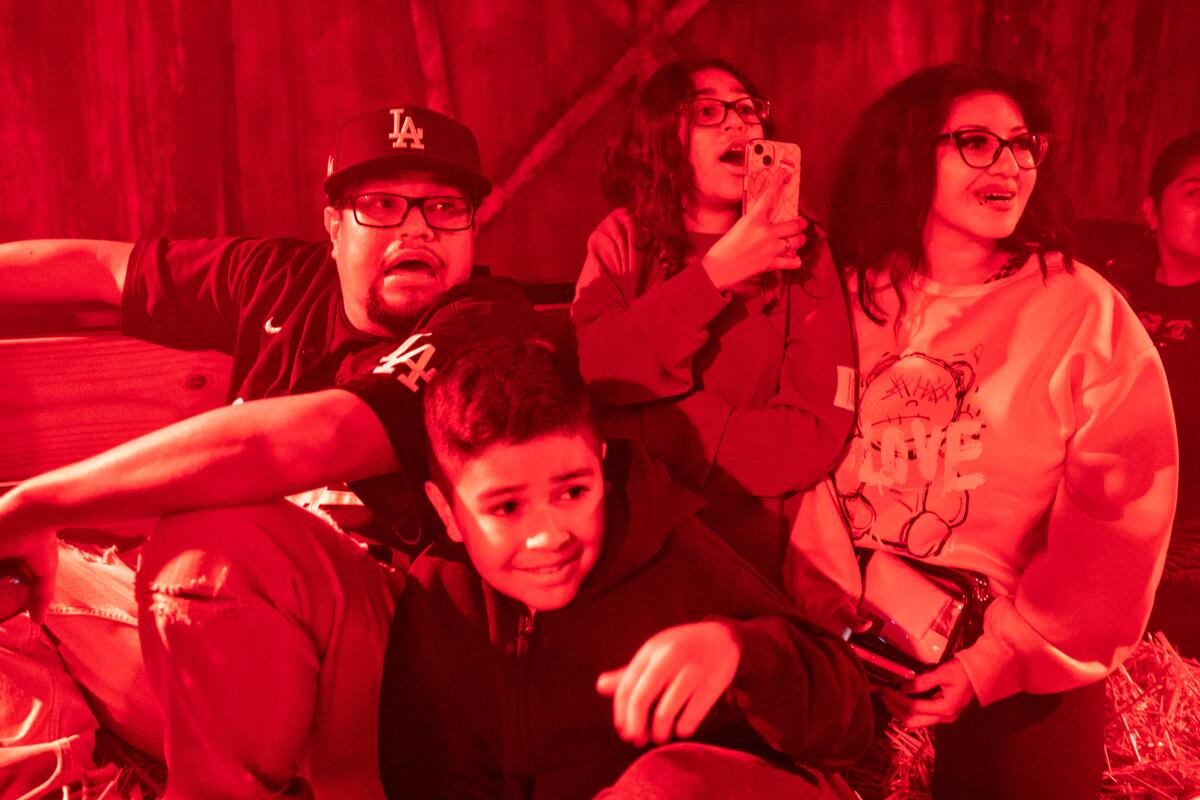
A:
(262, 628)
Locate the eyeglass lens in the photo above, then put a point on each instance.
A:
(981, 149)
(384, 210)
(708, 111)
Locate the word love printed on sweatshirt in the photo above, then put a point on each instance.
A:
(907, 479)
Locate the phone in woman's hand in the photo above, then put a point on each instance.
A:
(763, 158)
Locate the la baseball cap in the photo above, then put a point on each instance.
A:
(405, 137)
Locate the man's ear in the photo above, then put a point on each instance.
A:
(333, 224)
(1150, 213)
(442, 507)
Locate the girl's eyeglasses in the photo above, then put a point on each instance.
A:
(709, 112)
(981, 149)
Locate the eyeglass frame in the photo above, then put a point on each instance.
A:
(410, 204)
(1001, 144)
(730, 105)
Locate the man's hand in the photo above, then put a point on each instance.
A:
(754, 244)
(679, 673)
(29, 551)
(954, 693)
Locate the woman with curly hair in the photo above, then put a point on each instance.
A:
(1013, 420)
(717, 338)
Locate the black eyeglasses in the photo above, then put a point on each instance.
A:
(386, 210)
(709, 112)
(981, 149)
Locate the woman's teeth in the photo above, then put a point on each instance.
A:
(996, 198)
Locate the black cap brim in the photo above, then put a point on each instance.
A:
(475, 184)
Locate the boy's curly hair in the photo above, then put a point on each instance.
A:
(502, 390)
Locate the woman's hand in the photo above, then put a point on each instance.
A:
(754, 244)
(954, 694)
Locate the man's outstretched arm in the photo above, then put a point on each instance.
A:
(248, 453)
(63, 270)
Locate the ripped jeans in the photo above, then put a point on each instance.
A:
(262, 631)
(55, 682)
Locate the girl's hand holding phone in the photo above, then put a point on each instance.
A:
(952, 693)
(754, 244)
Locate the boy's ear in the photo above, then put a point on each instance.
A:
(442, 507)
(1150, 213)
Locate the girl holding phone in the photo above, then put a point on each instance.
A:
(716, 338)
(1013, 420)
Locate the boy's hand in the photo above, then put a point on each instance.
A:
(954, 693)
(679, 673)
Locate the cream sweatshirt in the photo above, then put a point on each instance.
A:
(1021, 428)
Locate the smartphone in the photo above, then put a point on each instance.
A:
(881, 669)
(763, 158)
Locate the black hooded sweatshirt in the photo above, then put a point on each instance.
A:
(480, 698)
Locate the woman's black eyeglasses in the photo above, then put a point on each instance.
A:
(981, 149)
(709, 112)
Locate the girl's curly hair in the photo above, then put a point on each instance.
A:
(646, 167)
(886, 175)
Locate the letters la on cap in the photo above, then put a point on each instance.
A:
(406, 137)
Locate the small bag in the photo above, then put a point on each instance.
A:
(921, 613)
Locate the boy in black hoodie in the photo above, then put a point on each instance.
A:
(581, 614)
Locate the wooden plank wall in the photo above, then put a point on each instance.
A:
(209, 117)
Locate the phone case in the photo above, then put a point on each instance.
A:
(763, 157)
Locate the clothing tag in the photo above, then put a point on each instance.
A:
(843, 394)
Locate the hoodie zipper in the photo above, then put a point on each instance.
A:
(526, 629)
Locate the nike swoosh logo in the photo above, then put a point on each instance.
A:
(270, 327)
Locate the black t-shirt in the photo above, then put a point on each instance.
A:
(390, 377)
(275, 306)
(1171, 315)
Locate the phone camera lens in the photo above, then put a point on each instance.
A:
(766, 161)
(758, 148)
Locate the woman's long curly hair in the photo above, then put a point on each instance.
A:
(886, 175)
(646, 167)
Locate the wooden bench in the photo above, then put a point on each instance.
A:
(73, 386)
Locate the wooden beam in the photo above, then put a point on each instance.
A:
(654, 49)
(428, 36)
(586, 107)
(615, 11)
